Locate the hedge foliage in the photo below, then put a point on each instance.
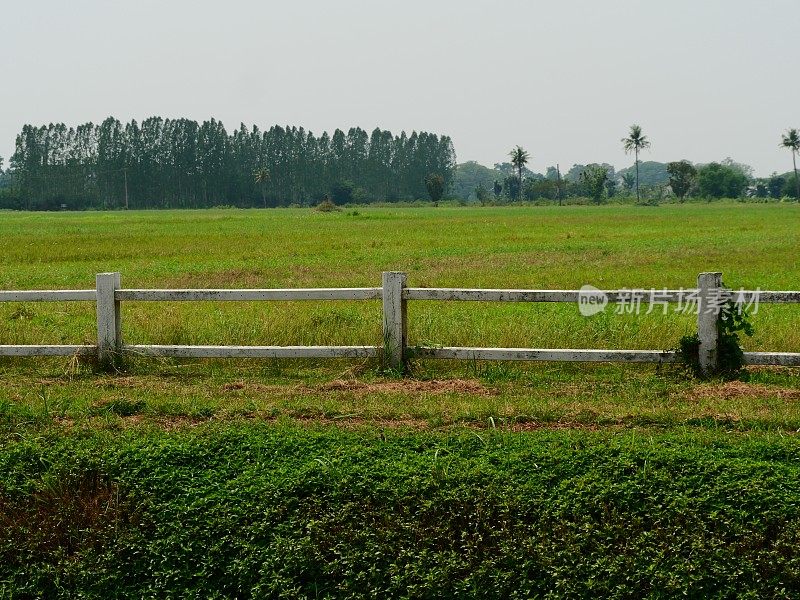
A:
(268, 511)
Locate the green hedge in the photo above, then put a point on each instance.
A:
(289, 512)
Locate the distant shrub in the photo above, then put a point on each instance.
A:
(327, 206)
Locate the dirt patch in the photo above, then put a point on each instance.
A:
(552, 425)
(233, 386)
(254, 386)
(731, 390)
(178, 422)
(772, 369)
(363, 388)
(421, 424)
(351, 422)
(119, 382)
(407, 386)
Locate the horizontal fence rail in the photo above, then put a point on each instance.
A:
(394, 294)
(257, 351)
(485, 295)
(573, 296)
(248, 295)
(49, 296)
(48, 350)
(559, 355)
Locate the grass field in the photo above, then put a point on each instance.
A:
(755, 246)
(304, 479)
(557, 248)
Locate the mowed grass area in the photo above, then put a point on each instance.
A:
(755, 246)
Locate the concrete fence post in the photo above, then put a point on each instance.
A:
(709, 286)
(109, 336)
(395, 330)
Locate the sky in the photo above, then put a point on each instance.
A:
(706, 79)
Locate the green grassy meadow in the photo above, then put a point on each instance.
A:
(335, 479)
(557, 248)
(755, 246)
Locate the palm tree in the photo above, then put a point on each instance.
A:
(791, 141)
(635, 142)
(519, 158)
(262, 177)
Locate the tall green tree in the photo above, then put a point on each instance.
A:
(681, 177)
(721, 181)
(594, 177)
(482, 194)
(628, 180)
(469, 176)
(434, 183)
(511, 187)
(497, 188)
(519, 158)
(775, 185)
(635, 142)
(791, 141)
(611, 187)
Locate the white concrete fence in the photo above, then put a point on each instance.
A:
(395, 294)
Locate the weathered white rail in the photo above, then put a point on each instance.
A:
(49, 296)
(256, 351)
(460, 353)
(485, 295)
(394, 294)
(249, 295)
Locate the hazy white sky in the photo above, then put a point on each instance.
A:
(706, 79)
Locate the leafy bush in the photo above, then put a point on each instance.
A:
(730, 357)
(327, 206)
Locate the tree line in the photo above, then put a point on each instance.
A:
(725, 179)
(180, 163)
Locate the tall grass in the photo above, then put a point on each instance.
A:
(755, 246)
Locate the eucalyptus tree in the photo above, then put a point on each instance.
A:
(791, 141)
(519, 158)
(164, 163)
(635, 142)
